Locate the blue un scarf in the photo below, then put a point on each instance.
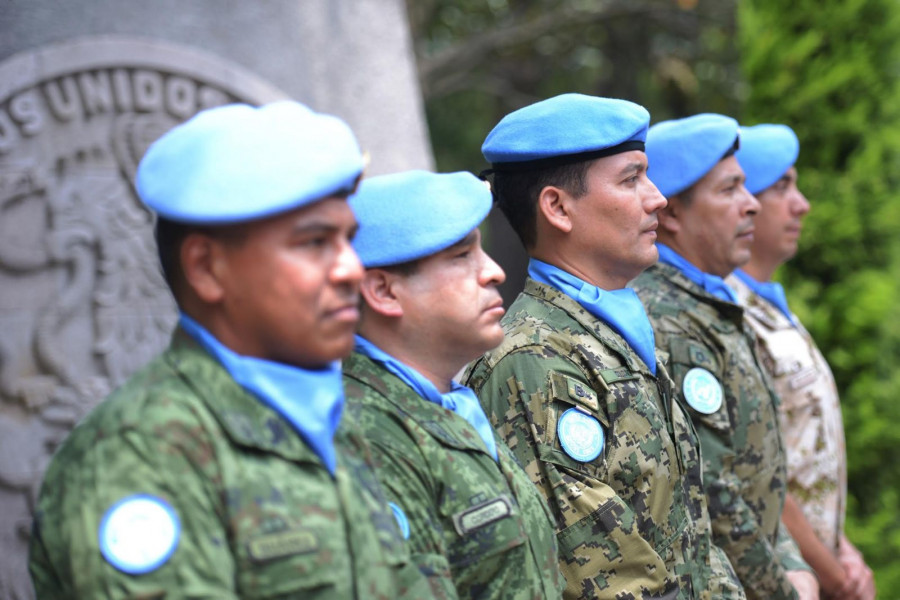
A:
(459, 399)
(713, 284)
(311, 401)
(771, 291)
(620, 309)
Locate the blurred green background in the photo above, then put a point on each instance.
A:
(829, 69)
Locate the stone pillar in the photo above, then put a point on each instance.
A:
(85, 87)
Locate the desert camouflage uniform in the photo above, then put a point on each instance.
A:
(261, 517)
(743, 452)
(631, 524)
(810, 414)
(479, 528)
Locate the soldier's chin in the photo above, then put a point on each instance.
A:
(493, 338)
(740, 258)
(338, 347)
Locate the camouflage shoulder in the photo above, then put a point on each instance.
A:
(152, 410)
(659, 294)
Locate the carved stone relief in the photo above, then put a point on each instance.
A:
(82, 303)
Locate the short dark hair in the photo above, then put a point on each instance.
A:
(516, 193)
(170, 235)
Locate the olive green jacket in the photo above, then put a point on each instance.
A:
(260, 515)
(477, 526)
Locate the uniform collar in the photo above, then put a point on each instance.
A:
(713, 284)
(771, 291)
(599, 328)
(459, 399)
(620, 309)
(310, 401)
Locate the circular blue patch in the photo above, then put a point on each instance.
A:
(702, 391)
(402, 521)
(139, 533)
(580, 435)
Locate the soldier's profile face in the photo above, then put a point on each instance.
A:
(452, 301)
(717, 222)
(615, 222)
(779, 222)
(291, 286)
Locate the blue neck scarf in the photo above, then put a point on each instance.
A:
(459, 399)
(311, 401)
(713, 284)
(620, 309)
(771, 291)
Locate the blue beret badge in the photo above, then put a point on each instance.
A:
(139, 533)
(580, 435)
(702, 391)
(402, 521)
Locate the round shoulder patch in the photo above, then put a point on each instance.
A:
(580, 435)
(402, 521)
(139, 533)
(702, 391)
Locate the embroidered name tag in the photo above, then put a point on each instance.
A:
(283, 543)
(482, 515)
(803, 378)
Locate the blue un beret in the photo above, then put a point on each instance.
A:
(573, 126)
(238, 163)
(682, 151)
(411, 215)
(766, 153)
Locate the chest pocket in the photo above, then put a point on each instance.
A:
(480, 516)
(793, 366)
(484, 530)
(281, 551)
(298, 532)
(698, 384)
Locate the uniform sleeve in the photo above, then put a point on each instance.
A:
(723, 581)
(736, 528)
(165, 458)
(602, 553)
(404, 476)
(788, 552)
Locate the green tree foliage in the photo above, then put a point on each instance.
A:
(830, 71)
(481, 59)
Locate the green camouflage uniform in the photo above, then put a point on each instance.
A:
(478, 528)
(261, 517)
(631, 524)
(743, 452)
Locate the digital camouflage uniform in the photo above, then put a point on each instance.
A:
(743, 453)
(261, 517)
(479, 528)
(631, 524)
(810, 414)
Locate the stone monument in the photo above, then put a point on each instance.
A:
(85, 87)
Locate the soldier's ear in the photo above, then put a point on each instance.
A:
(553, 205)
(378, 292)
(669, 215)
(203, 266)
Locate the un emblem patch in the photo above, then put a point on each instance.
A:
(580, 435)
(702, 391)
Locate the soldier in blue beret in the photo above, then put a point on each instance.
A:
(705, 232)
(218, 470)
(810, 412)
(475, 523)
(576, 389)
